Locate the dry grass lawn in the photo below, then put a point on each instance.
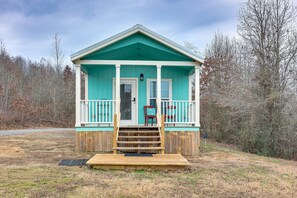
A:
(28, 168)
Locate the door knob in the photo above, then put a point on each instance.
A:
(134, 99)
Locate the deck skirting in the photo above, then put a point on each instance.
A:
(185, 142)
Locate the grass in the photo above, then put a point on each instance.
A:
(28, 168)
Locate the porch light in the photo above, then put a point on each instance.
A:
(141, 77)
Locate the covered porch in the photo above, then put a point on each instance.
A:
(177, 106)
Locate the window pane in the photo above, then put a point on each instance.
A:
(165, 89)
(153, 89)
(153, 102)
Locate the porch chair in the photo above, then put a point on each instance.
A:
(150, 113)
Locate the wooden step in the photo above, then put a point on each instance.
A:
(138, 131)
(139, 142)
(139, 148)
(138, 136)
(139, 127)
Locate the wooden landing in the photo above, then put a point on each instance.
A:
(157, 161)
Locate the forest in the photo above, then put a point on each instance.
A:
(248, 83)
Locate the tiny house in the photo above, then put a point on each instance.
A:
(137, 87)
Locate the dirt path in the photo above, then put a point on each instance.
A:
(28, 131)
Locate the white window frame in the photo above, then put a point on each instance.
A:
(148, 84)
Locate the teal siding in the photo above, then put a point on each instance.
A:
(137, 47)
(101, 81)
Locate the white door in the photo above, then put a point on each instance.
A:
(128, 94)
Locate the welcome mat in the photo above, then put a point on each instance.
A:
(73, 162)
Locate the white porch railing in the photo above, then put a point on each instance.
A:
(97, 111)
(178, 111)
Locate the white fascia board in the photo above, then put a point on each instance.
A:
(137, 62)
(101, 45)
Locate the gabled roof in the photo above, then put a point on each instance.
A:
(135, 29)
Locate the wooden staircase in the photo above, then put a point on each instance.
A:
(139, 140)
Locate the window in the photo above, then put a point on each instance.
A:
(152, 91)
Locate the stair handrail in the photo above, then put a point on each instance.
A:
(118, 126)
(115, 131)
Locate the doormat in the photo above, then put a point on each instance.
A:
(138, 155)
(73, 162)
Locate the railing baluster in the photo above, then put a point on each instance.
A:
(96, 112)
(182, 111)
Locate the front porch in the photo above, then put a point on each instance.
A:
(128, 94)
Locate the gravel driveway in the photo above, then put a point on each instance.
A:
(27, 131)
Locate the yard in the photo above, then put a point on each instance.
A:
(28, 168)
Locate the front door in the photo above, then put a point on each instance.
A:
(128, 102)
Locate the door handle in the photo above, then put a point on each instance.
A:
(134, 99)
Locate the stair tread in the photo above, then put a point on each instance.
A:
(138, 142)
(138, 131)
(139, 148)
(138, 136)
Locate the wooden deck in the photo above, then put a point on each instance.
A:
(157, 161)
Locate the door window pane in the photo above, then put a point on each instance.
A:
(126, 105)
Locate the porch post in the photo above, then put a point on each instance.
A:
(190, 88)
(77, 95)
(117, 90)
(159, 90)
(197, 96)
(86, 87)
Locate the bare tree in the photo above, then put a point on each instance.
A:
(268, 29)
(57, 53)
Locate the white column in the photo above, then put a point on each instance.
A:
(117, 90)
(77, 95)
(86, 87)
(197, 96)
(190, 88)
(159, 89)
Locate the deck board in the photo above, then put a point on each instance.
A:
(119, 161)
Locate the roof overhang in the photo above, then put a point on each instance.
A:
(135, 29)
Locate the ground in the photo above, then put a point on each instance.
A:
(28, 168)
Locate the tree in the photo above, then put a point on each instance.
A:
(57, 53)
(268, 29)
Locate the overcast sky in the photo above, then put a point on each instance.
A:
(27, 26)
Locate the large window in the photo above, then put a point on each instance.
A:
(152, 91)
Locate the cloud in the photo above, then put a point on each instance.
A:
(28, 26)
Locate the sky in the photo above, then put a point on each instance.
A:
(28, 26)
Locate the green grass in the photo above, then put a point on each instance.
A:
(219, 171)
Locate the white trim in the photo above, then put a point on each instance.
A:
(136, 96)
(169, 44)
(94, 48)
(137, 62)
(86, 86)
(197, 96)
(190, 87)
(148, 80)
(117, 89)
(133, 30)
(77, 95)
(159, 78)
